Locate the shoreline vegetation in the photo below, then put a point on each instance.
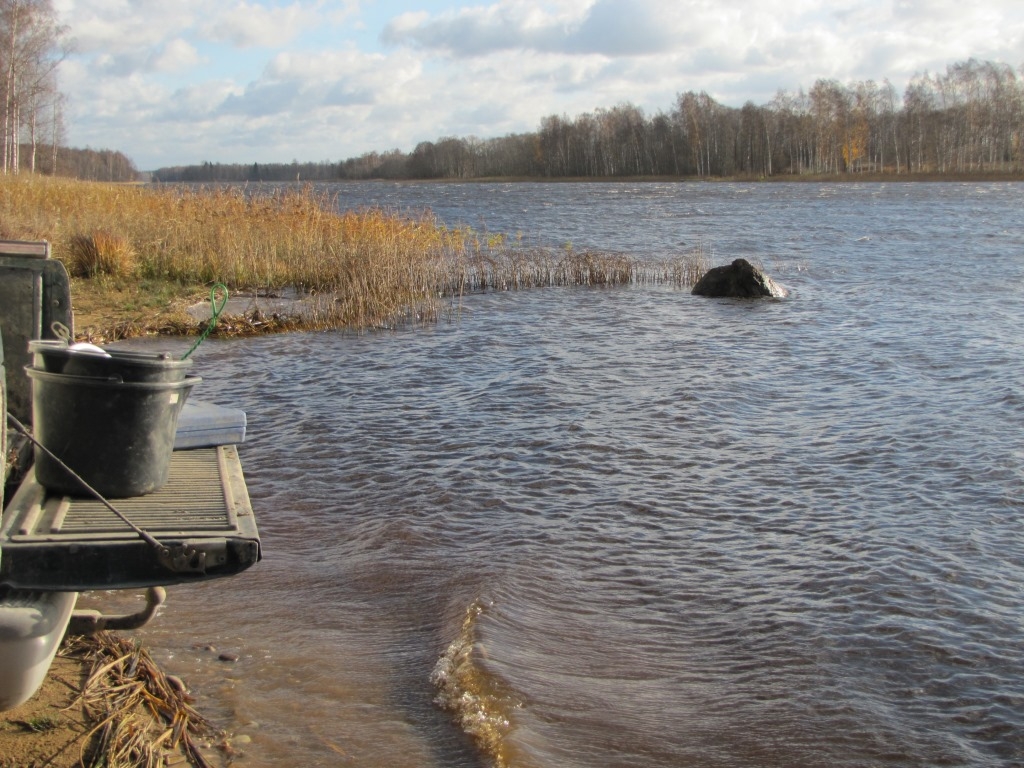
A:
(141, 256)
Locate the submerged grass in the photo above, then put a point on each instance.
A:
(366, 268)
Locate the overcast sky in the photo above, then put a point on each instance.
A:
(176, 82)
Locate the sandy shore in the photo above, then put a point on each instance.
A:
(57, 729)
(51, 728)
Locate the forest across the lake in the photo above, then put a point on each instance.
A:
(968, 121)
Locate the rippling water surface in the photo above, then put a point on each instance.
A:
(631, 527)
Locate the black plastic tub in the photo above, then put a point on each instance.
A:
(116, 435)
(57, 357)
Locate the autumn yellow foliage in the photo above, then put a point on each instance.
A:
(376, 266)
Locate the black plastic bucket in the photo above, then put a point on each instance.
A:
(57, 357)
(117, 435)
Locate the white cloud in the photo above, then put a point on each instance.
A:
(482, 30)
(822, 38)
(612, 28)
(176, 55)
(116, 27)
(305, 83)
(194, 105)
(253, 24)
(627, 28)
(272, 80)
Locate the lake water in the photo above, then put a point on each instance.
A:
(632, 527)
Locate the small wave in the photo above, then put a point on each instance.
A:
(480, 702)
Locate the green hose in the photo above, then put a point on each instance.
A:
(217, 309)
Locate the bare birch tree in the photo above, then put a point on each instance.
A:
(30, 52)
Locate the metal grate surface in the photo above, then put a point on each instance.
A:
(201, 519)
(192, 500)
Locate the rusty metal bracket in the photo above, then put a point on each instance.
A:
(182, 558)
(87, 622)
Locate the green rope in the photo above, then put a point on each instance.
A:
(217, 309)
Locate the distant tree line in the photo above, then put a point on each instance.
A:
(968, 120)
(88, 164)
(92, 165)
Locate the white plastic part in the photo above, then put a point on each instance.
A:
(32, 625)
(202, 425)
(89, 349)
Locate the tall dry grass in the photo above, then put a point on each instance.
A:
(369, 267)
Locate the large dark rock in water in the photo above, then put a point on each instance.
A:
(739, 280)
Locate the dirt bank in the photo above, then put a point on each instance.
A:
(106, 702)
(50, 729)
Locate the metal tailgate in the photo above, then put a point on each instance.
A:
(201, 519)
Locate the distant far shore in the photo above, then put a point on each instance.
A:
(816, 178)
(803, 178)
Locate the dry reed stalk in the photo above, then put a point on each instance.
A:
(681, 271)
(140, 712)
(380, 268)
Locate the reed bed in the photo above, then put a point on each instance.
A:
(359, 268)
(680, 271)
